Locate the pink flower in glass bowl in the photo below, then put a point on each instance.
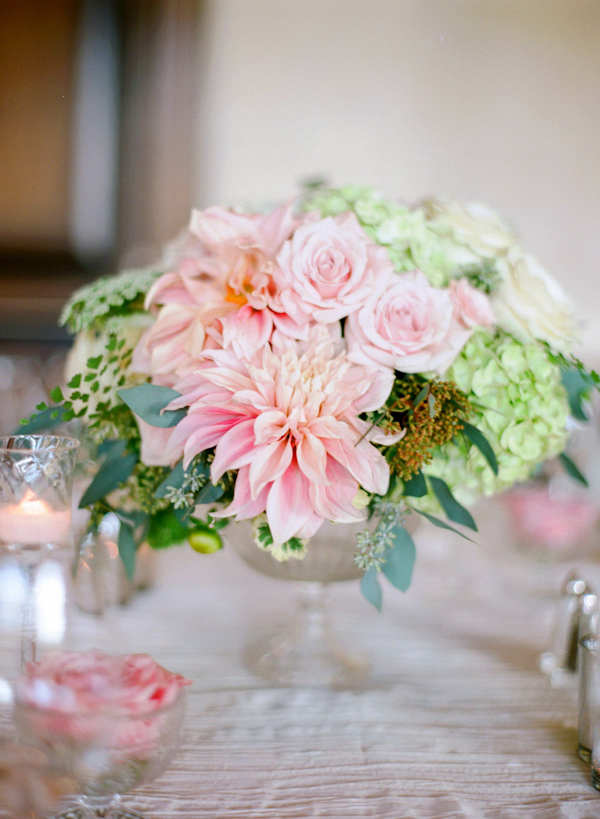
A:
(410, 326)
(327, 269)
(109, 722)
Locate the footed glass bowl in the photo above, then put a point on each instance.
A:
(106, 754)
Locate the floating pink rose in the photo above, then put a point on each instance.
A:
(409, 326)
(78, 682)
(328, 269)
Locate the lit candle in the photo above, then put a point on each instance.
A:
(33, 522)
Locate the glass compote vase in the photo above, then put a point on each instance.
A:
(36, 481)
(306, 651)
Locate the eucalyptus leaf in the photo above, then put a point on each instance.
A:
(174, 480)
(148, 401)
(453, 509)
(572, 469)
(127, 549)
(479, 440)
(400, 559)
(113, 472)
(40, 421)
(209, 493)
(416, 486)
(577, 385)
(370, 588)
(442, 524)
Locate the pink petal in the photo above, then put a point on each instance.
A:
(243, 506)
(268, 464)
(236, 448)
(288, 505)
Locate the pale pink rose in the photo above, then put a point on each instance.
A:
(328, 269)
(408, 326)
(288, 422)
(472, 307)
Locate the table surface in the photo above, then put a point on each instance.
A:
(454, 721)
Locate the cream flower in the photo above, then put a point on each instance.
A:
(530, 304)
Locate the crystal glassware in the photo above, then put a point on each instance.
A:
(36, 481)
(306, 651)
(106, 753)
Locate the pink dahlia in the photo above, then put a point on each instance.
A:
(287, 420)
(220, 276)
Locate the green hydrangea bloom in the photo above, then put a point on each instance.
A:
(521, 408)
(107, 296)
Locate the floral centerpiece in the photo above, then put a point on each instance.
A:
(336, 358)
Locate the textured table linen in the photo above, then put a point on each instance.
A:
(455, 720)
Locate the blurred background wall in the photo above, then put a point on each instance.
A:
(117, 115)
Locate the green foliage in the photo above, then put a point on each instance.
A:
(572, 469)
(148, 402)
(370, 588)
(578, 384)
(264, 539)
(114, 471)
(441, 524)
(400, 559)
(165, 530)
(481, 442)
(127, 548)
(106, 297)
(453, 509)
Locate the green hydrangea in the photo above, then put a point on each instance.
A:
(109, 295)
(521, 407)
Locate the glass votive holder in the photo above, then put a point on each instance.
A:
(588, 725)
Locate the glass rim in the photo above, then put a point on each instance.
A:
(66, 440)
(110, 714)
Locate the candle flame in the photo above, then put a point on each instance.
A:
(32, 506)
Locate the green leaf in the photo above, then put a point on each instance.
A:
(479, 440)
(441, 524)
(453, 509)
(431, 402)
(370, 588)
(41, 421)
(416, 486)
(209, 493)
(94, 363)
(572, 469)
(113, 472)
(421, 396)
(56, 395)
(173, 481)
(577, 384)
(148, 400)
(75, 382)
(126, 544)
(400, 559)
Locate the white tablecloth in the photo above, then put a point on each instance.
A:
(455, 720)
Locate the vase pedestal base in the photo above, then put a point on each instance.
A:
(306, 652)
